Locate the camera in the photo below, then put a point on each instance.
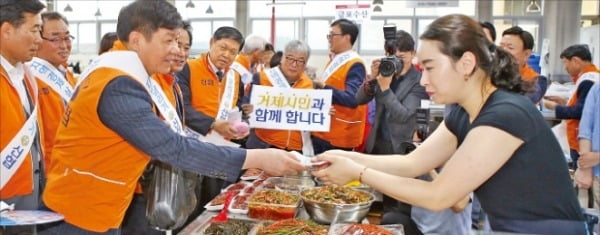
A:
(391, 63)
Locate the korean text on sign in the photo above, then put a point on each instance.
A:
(290, 109)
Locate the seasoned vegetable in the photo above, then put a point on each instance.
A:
(365, 229)
(336, 195)
(293, 227)
(231, 227)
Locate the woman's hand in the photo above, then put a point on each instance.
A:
(340, 171)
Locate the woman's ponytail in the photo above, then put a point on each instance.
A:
(504, 71)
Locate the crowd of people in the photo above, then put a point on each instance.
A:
(81, 145)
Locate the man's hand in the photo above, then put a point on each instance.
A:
(273, 161)
(384, 82)
(375, 67)
(549, 104)
(247, 109)
(588, 159)
(225, 129)
(583, 178)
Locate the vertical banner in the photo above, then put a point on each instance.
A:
(290, 109)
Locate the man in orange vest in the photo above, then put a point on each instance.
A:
(55, 81)
(120, 118)
(290, 72)
(209, 89)
(520, 44)
(250, 56)
(344, 76)
(20, 130)
(577, 60)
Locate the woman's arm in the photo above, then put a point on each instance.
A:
(478, 158)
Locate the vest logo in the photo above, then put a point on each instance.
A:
(25, 140)
(207, 82)
(45, 91)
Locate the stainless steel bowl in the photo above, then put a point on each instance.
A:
(329, 213)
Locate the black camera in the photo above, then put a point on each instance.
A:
(391, 63)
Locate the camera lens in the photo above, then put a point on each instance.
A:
(386, 68)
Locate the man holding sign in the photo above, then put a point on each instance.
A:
(289, 74)
(344, 76)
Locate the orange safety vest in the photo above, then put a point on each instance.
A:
(348, 124)
(52, 108)
(244, 61)
(528, 74)
(573, 124)
(283, 139)
(94, 171)
(205, 88)
(13, 117)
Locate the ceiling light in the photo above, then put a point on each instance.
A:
(533, 7)
(209, 10)
(190, 4)
(377, 9)
(68, 8)
(98, 14)
(377, 2)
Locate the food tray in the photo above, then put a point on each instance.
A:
(288, 184)
(239, 205)
(216, 203)
(237, 186)
(252, 174)
(393, 229)
(203, 227)
(272, 210)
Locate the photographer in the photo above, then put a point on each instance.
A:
(397, 97)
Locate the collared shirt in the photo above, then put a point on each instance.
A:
(589, 126)
(16, 74)
(214, 69)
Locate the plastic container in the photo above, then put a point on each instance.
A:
(390, 229)
(273, 205)
(288, 184)
(252, 174)
(239, 186)
(239, 204)
(217, 203)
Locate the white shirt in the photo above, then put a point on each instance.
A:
(16, 75)
(214, 68)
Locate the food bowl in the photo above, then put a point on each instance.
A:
(332, 213)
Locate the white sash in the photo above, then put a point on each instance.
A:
(227, 97)
(13, 154)
(277, 78)
(589, 76)
(51, 76)
(338, 61)
(129, 62)
(245, 75)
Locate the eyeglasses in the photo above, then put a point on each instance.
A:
(291, 60)
(330, 35)
(66, 39)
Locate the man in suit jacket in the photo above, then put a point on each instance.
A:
(397, 99)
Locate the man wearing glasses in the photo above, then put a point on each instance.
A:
(55, 81)
(343, 75)
(289, 74)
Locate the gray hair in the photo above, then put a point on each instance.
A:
(254, 42)
(297, 46)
